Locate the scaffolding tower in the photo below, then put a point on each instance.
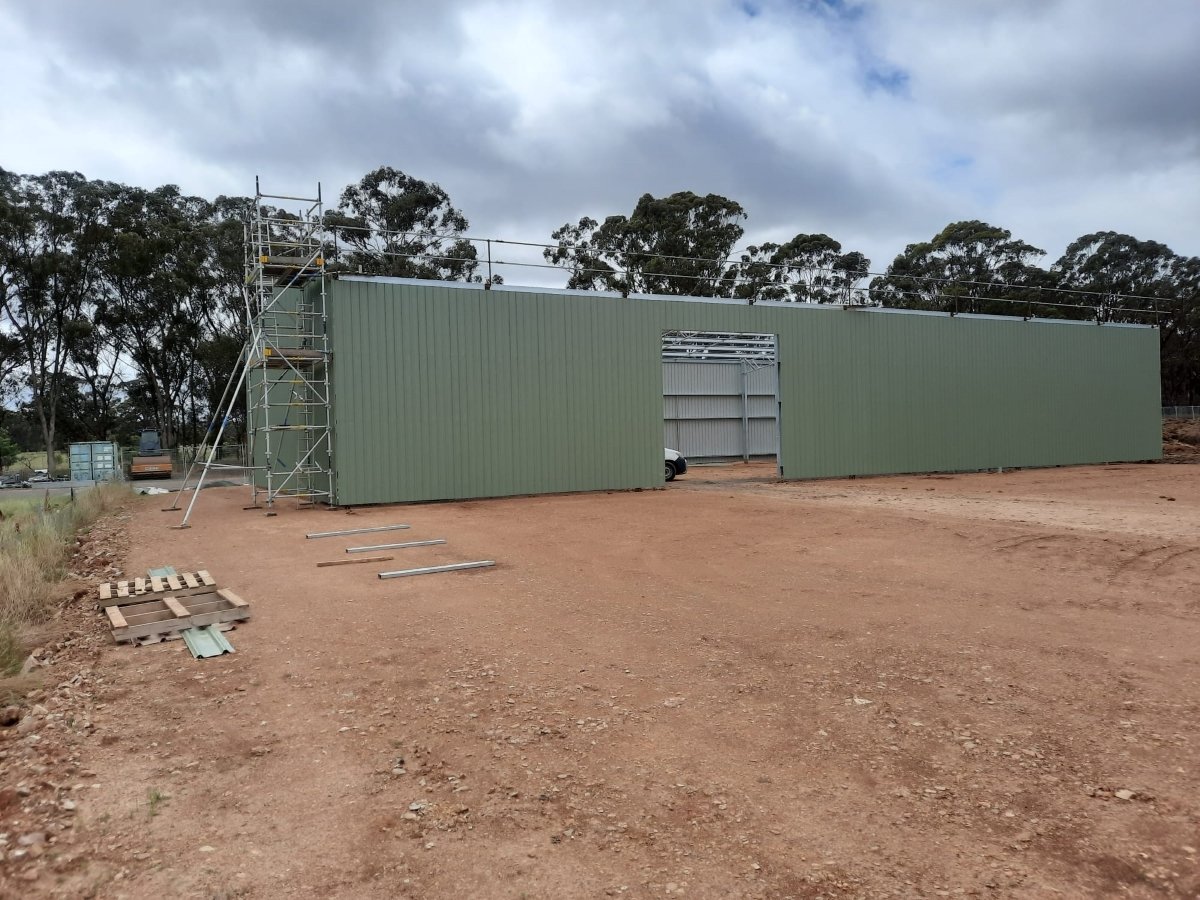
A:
(284, 366)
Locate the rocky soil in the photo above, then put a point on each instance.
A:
(50, 721)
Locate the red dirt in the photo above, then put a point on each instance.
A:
(917, 686)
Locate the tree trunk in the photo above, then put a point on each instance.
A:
(166, 425)
(48, 426)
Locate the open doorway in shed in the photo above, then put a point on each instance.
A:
(721, 402)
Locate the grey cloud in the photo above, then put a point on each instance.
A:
(1112, 77)
(844, 118)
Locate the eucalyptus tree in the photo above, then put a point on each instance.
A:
(966, 267)
(390, 223)
(810, 268)
(1132, 280)
(161, 291)
(678, 244)
(53, 233)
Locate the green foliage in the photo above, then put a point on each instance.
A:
(1107, 264)
(670, 245)
(963, 269)
(9, 451)
(155, 800)
(156, 266)
(1104, 276)
(1128, 280)
(810, 268)
(52, 237)
(122, 307)
(390, 223)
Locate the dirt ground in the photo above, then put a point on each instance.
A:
(980, 685)
(1181, 440)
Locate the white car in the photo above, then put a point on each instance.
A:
(676, 464)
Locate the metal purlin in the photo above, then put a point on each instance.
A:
(283, 252)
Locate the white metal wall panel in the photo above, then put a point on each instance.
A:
(702, 409)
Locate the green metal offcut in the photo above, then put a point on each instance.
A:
(206, 642)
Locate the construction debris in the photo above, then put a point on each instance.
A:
(322, 534)
(206, 642)
(177, 635)
(351, 562)
(162, 605)
(429, 570)
(184, 585)
(395, 546)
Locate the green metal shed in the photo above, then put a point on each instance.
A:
(446, 390)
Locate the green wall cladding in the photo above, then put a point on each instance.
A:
(448, 391)
(286, 446)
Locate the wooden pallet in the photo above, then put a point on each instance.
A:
(187, 584)
(166, 614)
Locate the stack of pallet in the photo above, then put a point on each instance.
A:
(156, 607)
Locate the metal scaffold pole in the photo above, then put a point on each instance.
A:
(284, 366)
(209, 455)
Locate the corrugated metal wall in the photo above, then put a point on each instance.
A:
(95, 461)
(703, 410)
(287, 447)
(285, 388)
(450, 391)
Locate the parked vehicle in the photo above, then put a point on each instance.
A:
(14, 481)
(676, 464)
(150, 461)
(38, 477)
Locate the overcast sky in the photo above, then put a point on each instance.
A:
(875, 122)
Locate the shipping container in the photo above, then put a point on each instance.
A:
(95, 461)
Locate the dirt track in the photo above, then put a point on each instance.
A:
(919, 686)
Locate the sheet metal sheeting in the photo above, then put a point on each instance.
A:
(206, 642)
(395, 546)
(701, 346)
(720, 410)
(510, 391)
(430, 570)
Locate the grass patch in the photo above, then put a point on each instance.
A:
(156, 799)
(35, 546)
(31, 501)
(36, 459)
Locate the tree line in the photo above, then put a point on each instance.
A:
(685, 244)
(121, 307)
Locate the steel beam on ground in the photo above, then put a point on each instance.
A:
(395, 546)
(430, 570)
(322, 534)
